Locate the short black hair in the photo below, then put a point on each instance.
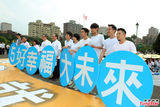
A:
(45, 35)
(122, 29)
(56, 35)
(69, 33)
(85, 30)
(25, 37)
(36, 41)
(76, 36)
(18, 34)
(113, 26)
(94, 25)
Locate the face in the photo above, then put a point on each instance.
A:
(54, 37)
(94, 30)
(17, 36)
(67, 37)
(120, 35)
(74, 39)
(24, 39)
(34, 43)
(43, 38)
(110, 31)
(83, 33)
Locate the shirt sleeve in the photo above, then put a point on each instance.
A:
(133, 48)
(59, 49)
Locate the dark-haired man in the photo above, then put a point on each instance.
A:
(45, 42)
(97, 39)
(57, 47)
(25, 43)
(18, 41)
(108, 43)
(123, 43)
(85, 39)
(68, 42)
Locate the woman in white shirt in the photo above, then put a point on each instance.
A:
(74, 47)
(35, 44)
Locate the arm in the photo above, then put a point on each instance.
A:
(101, 56)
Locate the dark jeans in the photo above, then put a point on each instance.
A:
(56, 71)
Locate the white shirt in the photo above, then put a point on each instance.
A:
(108, 44)
(82, 42)
(3, 45)
(57, 47)
(68, 43)
(0, 45)
(26, 44)
(74, 47)
(37, 47)
(44, 44)
(97, 41)
(126, 46)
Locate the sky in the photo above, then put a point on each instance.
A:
(122, 13)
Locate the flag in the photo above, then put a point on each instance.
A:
(84, 17)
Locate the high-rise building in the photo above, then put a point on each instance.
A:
(6, 26)
(72, 27)
(151, 36)
(37, 29)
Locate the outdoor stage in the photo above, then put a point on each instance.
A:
(20, 89)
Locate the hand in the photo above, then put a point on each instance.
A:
(93, 46)
(71, 52)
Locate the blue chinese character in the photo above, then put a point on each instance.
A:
(86, 69)
(32, 60)
(13, 53)
(124, 80)
(47, 61)
(21, 52)
(66, 67)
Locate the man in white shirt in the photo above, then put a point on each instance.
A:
(68, 42)
(56, 44)
(25, 43)
(97, 39)
(123, 43)
(45, 42)
(0, 48)
(108, 43)
(85, 39)
(3, 48)
(18, 41)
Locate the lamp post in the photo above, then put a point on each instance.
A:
(137, 24)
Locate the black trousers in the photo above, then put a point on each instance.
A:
(56, 74)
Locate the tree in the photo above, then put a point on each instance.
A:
(156, 44)
(3, 39)
(133, 37)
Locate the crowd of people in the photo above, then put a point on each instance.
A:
(4, 49)
(154, 65)
(73, 42)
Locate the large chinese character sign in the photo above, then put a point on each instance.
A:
(124, 80)
(66, 67)
(32, 60)
(12, 53)
(86, 69)
(47, 61)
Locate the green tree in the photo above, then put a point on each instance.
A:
(3, 39)
(156, 44)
